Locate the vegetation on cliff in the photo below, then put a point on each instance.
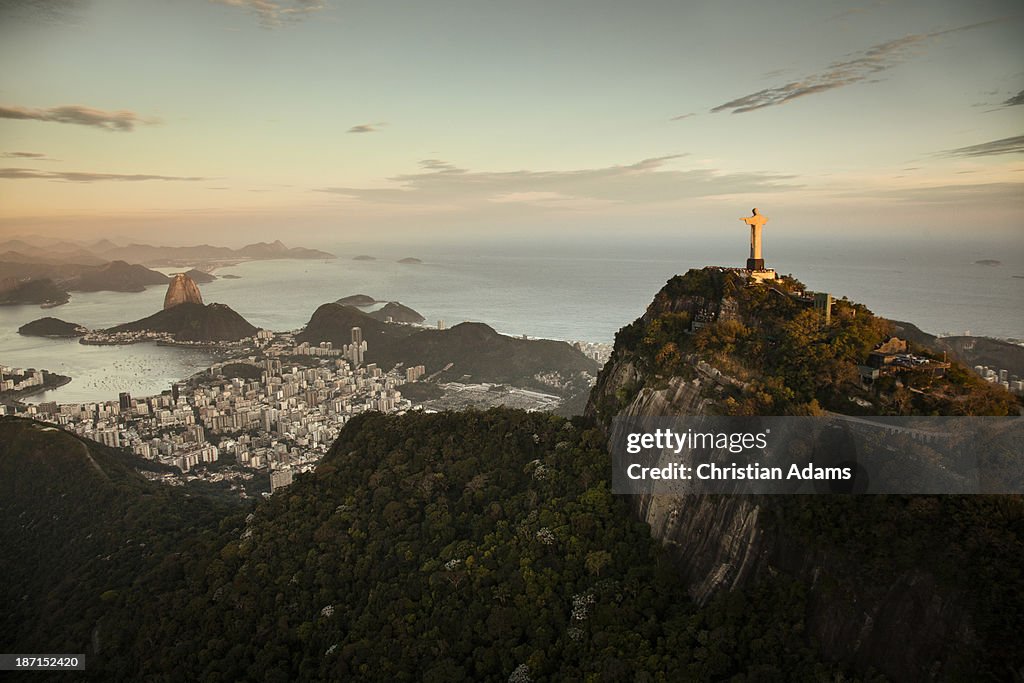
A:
(791, 362)
(441, 547)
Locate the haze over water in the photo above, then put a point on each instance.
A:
(560, 290)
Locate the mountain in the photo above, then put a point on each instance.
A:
(20, 251)
(398, 313)
(52, 327)
(194, 322)
(182, 289)
(469, 350)
(276, 249)
(116, 276)
(356, 300)
(97, 253)
(43, 291)
(487, 545)
(409, 260)
(994, 353)
(477, 546)
(106, 529)
(890, 586)
(476, 352)
(334, 322)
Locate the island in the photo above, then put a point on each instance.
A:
(988, 262)
(410, 260)
(364, 257)
(52, 327)
(200, 276)
(116, 276)
(230, 276)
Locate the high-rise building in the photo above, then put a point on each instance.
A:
(280, 479)
(823, 304)
(440, 324)
(357, 335)
(125, 401)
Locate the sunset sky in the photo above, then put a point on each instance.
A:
(167, 120)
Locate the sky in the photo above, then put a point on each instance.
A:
(313, 120)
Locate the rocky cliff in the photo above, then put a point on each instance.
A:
(709, 344)
(183, 289)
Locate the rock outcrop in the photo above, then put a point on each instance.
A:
(908, 611)
(182, 289)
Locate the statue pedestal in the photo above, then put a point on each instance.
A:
(755, 264)
(762, 275)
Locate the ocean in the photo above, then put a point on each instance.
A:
(560, 290)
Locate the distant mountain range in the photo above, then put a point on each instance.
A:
(22, 252)
(105, 266)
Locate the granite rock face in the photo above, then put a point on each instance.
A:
(899, 619)
(182, 289)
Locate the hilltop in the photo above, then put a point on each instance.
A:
(398, 313)
(194, 322)
(334, 322)
(356, 300)
(772, 341)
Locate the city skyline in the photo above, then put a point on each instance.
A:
(327, 119)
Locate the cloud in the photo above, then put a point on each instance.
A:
(682, 116)
(1014, 145)
(35, 156)
(1015, 100)
(275, 13)
(367, 127)
(123, 121)
(862, 67)
(41, 11)
(84, 177)
(984, 194)
(646, 181)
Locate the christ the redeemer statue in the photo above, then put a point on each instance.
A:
(756, 222)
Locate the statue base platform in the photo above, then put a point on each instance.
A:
(763, 274)
(755, 264)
